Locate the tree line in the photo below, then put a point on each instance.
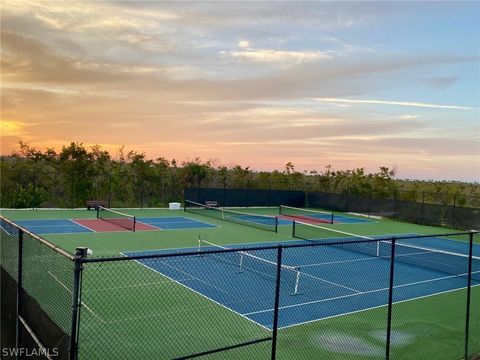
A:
(76, 173)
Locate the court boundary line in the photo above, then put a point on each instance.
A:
(55, 277)
(73, 221)
(376, 307)
(202, 222)
(202, 295)
(366, 292)
(8, 233)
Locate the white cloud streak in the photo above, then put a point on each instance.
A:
(396, 103)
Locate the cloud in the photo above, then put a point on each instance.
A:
(234, 80)
(397, 103)
(243, 43)
(279, 56)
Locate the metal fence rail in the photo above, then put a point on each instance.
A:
(210, 301)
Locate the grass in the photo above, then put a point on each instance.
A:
(130, 310)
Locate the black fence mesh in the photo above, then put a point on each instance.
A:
(396, 208)
(324, 297)
(350, 300)
(246, 197)
(45, 300)
(474, 319)
(428, 315)
(9, 274)
(169, 307)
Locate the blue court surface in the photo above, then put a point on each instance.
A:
(69, 226)
(59, 226)
(174, 223)
(263, 220)
(349, 220)
(318, 282)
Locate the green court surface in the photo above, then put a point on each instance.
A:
(132, 310)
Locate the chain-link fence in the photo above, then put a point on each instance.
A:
(407, 297)
(24, 189)
(38, 277)
(415, 212)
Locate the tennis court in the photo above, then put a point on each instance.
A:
(332, 281)
(74, 226)
(149, 284)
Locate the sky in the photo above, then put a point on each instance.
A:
(259, 84)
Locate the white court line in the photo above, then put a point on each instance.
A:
(86, 227)
(204, 296)
(8, 233)
(144, 223)
(82, 303)
(180, 222)
(362, 293)
(340, 261)
(331, 283)
(47, 226)
(375, 307)
(129, 286)
(366, 259)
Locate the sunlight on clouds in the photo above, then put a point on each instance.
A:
(153, 76)
(244, 44)
(12, 128)
(398, 103)
(279, 56)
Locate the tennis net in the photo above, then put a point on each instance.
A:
(307, 214)
(263, 222)
(430, 258)
(117, 218)
(290, 275)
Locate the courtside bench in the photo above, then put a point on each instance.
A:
(211, 203)
(95, 203)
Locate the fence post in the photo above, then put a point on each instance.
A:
(277, 302)
(18, 340)
(34, 185)
(390, 299)
(395, 204)
(423, 205)
(453, 210)
(71, 191)
(80, 254)
(141, 193)
(269, 191)
(469, 292)
(109, 190)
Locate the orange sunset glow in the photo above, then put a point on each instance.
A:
(256, 84)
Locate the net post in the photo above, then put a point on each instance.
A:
(297, 282)
(276, 224)
(469, 292)
(18, 340)
(280, 209)
(293, 228)
(390, 299)
(199, 244)
(277, 302)
(331, 221)
(134, 223)
(97, 207)
(240, 265)
(80, 254)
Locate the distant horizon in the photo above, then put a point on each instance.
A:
(114, 153)
(350, 84)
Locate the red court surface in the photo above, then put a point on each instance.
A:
(99, 225)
